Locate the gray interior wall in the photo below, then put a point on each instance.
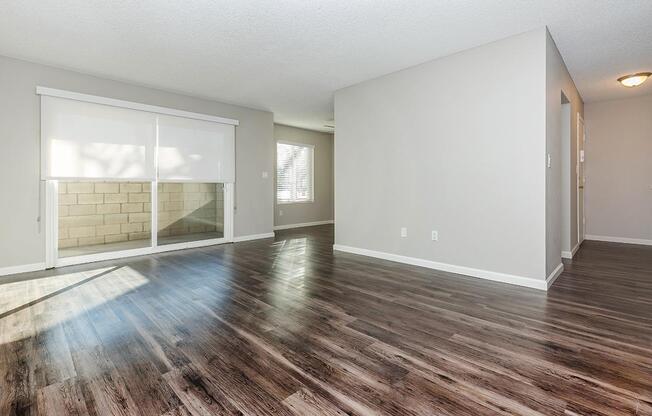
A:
(322, 208)
(566, 171)
(619, 169)
(454, 145)
(558, 81)
(21, 239)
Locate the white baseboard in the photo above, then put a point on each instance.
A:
(23, 268)
(619, 239)
(570, 254)
(252, 237)
(468, 271)
(303, 224)
(554, 275)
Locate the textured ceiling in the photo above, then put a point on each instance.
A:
(290, 56)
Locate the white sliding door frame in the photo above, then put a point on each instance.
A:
(52, 195)
(51, 223)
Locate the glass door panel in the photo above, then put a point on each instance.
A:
(189, 212)
(98, 217)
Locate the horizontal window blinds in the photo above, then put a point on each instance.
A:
(86, 140)
(294, 173)
(195, 150)
(82, 140)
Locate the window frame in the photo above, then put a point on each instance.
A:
(312, 173)
(50, 209)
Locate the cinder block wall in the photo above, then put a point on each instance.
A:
(189, 208)
(92, 213)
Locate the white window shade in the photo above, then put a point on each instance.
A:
(195, 150)
(294, 173)
(82, 140)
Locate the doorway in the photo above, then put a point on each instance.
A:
(580, 178)
(566, 179)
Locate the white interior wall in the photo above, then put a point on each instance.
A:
(455, 145)
(22, 240)
(619, 170)
(558, 81)
(566, 170)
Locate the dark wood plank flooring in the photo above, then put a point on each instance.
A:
(284, 326)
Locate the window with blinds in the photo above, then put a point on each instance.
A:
(294, 173)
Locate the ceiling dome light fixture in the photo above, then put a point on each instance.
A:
(634, 80)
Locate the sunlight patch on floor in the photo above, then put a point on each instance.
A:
(33, 306)
(291, 257)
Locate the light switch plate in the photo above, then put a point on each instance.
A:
(265, 175)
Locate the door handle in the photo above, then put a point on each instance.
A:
(581, 187)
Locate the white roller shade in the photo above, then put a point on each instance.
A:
(82, 140)
(195, 150)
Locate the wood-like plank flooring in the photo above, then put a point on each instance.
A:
(285, 327)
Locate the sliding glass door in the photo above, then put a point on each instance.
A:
(122, 182)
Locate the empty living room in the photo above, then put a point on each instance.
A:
(325, 207)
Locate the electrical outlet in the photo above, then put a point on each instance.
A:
(265, 175)
(280, 212)
(403, 232)
(435, 236)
